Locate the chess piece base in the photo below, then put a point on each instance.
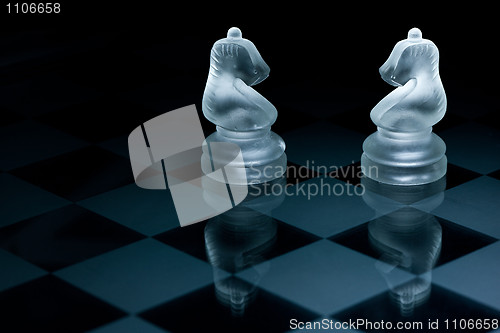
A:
(404, 158)
(263, 152)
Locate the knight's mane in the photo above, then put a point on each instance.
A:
(220, 53)
(427, 50)
(223, 50)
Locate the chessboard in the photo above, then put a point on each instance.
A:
(82, 248)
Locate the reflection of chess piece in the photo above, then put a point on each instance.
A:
(404, 150)
(242, 115)
(239, 239)
(407, 238)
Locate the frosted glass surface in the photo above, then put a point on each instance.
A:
(404, 150)
(419, 101)
(242, 115)
(229, 100)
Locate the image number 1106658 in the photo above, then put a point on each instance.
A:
(34, 8)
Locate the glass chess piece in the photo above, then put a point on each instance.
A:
(404, 150)
(242, 115)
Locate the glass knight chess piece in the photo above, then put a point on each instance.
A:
(242, 115)
(404, 150)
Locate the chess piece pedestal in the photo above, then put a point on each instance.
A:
(263, 152)
(404, 158)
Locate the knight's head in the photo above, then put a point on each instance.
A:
(238, 56)
(411, 58)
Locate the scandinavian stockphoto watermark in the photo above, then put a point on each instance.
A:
(322, 184)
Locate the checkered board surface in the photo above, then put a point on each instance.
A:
(82, 248)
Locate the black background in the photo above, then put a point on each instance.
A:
(331, 52)
(324, 61)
